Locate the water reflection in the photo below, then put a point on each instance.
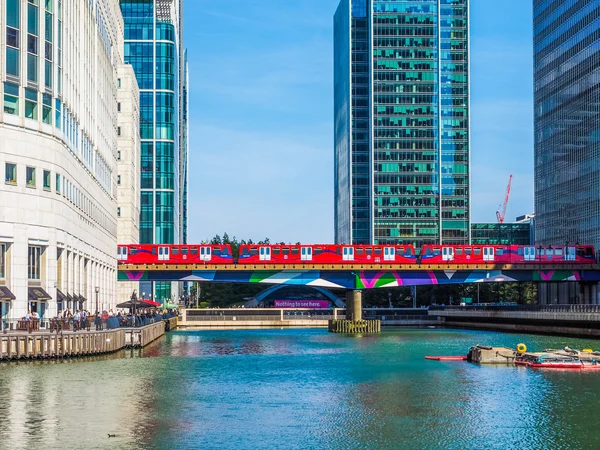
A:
(251, 389)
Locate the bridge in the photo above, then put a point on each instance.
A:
(360, 276)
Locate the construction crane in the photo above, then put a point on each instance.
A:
(500, 215)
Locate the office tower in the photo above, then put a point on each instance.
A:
(153, 46)
(128, 167)
(401, 132)
(567, 121)
(58, 147)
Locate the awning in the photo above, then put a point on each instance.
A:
(5, 294)
(60, 296)
(82, 298)
(38, 294)
(69, 298)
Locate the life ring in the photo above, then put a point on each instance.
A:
(521, 348)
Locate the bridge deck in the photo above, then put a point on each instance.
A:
(346, 267)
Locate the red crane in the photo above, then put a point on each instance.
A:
(500, 215)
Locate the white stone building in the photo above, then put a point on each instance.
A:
(59, 70)
(128, 167)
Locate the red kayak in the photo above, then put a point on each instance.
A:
(446, 358)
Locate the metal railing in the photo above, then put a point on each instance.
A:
(582, 309)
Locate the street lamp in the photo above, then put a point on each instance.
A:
(133, 302)
(97, 290)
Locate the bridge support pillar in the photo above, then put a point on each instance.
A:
(354, 305)
(354, 323)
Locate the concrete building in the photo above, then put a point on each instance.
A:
(154, 47)
(128, 166)
(401, 122)
(59, 63)
(567, 121)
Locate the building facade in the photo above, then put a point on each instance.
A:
(567, 121)
(58, 147)
(154, 47)
(128, 166)
(517, 233)
(401, 122)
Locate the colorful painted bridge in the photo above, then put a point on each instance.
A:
(359, 276)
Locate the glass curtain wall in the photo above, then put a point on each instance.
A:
(567, 121)
(409, 122)
(151, 47)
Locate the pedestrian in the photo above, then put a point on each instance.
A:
(98, 321)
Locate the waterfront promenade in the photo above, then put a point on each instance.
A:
(59, 343)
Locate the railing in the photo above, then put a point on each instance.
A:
(585, 309)
(55, 324)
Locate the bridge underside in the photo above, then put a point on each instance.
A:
(353, 279)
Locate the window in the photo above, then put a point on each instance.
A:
(119, 131)
(2, 261)
(30, 176)
(118, 212)
(47, 179)
(34, 263)
(31, 104)
(119, 106)
(57, 183)
(47, 109)
(118, 82)
(119, 180)
(10, 173)
(11, 98)
(118, 156)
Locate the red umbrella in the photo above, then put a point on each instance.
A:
(148, 303)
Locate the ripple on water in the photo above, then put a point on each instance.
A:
(251, 389)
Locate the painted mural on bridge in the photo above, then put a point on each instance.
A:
(356, 280)
(383, 279)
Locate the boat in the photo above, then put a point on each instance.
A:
(559, 359)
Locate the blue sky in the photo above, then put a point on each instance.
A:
(261, 108)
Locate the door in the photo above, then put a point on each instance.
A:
(163, 253)
(488, 254)
(570, 254)
(389, 254)
(447, 254)
(529, 253)
(205, 253)
(348, 254)
(265, 253)
(122, 253)
(306, 254)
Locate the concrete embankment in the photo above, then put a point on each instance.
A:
(44, 345)
(577, 321)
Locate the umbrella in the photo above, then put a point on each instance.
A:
(139, 304)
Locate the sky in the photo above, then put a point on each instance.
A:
(261, 116)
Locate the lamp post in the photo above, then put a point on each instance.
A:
(97, 290)
(133, 302)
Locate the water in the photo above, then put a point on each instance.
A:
(304, 389)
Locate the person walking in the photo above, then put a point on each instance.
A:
(98, 321)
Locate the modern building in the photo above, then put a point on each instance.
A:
(154, 47)
(567, 121)
(401, 130)
(518, 233)
(128, 166)
(58, 147)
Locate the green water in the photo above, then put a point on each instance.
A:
(304, 389)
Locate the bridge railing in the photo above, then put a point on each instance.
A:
(584, 309)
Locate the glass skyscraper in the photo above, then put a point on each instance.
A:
(567, 121)
(401, 131)
(154, 47)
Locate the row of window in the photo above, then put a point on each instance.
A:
(68, 189)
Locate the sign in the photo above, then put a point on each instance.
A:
(301, 304)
